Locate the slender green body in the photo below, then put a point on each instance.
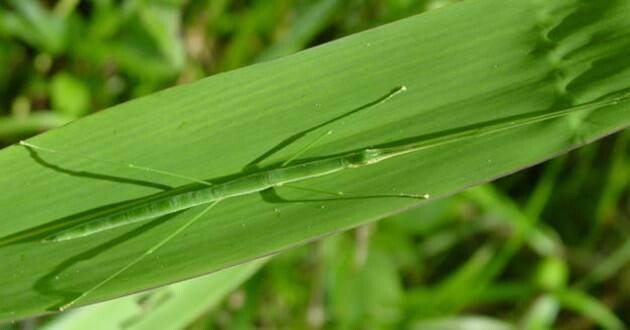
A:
(170, 202)
(167, 202)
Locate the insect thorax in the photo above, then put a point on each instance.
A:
(365, 157)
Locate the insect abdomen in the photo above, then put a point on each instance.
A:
(162, 205)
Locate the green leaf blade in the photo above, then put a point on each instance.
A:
(462, 65)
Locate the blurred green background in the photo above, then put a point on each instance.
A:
(544, 248)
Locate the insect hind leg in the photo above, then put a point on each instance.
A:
(138, 259)
(338, 195)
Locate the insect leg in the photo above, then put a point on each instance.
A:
(343, 195)
(291, 139)
(305, 148)
(319, 191)
(128, 165)
(139, 258)
(381, 100)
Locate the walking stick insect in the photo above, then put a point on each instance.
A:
(211, 194)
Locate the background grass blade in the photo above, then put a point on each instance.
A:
(171, 307)
(465, 64)
(306, 27)
(461, 323)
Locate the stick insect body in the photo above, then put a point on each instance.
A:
(207, 193)
(249, 184)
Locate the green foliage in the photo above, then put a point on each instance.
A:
(69, 95)
(543, 248)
